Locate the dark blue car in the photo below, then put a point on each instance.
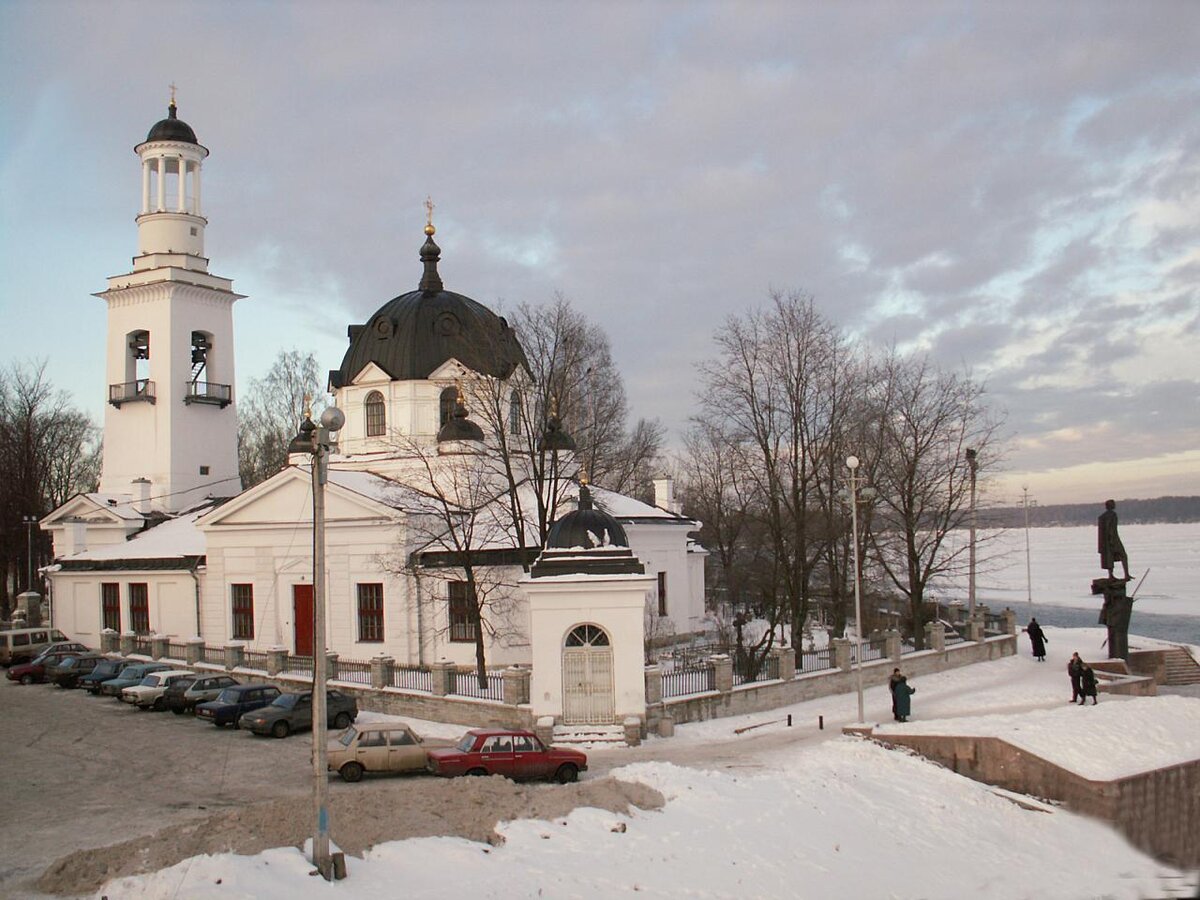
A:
(232, 702)
(109, 668)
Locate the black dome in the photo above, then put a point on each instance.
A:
(459, 427)
(412, 335)
(586, 527)
(172, 129)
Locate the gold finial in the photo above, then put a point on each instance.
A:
(462, 400)
(429, 229)
(172, 93)
(308, 406)
(583, 475)
(554, 405)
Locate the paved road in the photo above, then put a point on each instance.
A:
(78, 771)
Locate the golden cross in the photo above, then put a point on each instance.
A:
(172, 93)
(429, 215)
(308, 406)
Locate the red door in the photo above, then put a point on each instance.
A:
(302, 618)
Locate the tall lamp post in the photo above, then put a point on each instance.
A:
(1025, 502)
(29, 521)
(973, 465)
(317, 442)
(852, 465)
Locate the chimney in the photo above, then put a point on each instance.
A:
(141, 495)
(664, 495)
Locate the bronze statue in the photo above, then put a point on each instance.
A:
(1111, 548)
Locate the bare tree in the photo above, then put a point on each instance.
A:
(925, 421)
(269, 413)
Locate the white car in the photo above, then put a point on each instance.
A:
(149, 693)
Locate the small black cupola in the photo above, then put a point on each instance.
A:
(587, 541)
(172, 128)
(458, 427)
(555, 438)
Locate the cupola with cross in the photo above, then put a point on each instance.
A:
(170, 417)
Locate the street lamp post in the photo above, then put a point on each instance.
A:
(973, 465)
(316, 441)
(1028, 565)
(852, 465)
(29, 521)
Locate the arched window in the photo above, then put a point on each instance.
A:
(514, 413)
(449, 398)
(376, 414)
(587, 636)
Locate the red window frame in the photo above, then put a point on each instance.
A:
(110, 605)
(139, 608)
(662, 593)
(370, 612)
(242, 606)
(462, 625)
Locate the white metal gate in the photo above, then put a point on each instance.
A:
(587, 678)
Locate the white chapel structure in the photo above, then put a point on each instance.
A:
(171, 545)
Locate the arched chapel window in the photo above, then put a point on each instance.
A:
(587, 636)
(514, 413)
(448, 399)
(376, 414)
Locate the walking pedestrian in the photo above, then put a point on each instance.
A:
(895, 679)
(1075, 670)
(1037, 639)
(1087, 678)
(903, 694)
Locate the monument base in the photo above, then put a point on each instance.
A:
(1115, 614)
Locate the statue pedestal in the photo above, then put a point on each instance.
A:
(1115, 614)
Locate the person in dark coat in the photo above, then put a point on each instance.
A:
(1037, 639)
(903, 694)
(895, 678)
(1087, 678)
(1075, 671)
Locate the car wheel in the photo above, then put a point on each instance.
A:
(477, 771)
(566, 774)
(177, 710)
(351, 772)
(158, 704)
(341, 720)
(27, 679)
(280, 729)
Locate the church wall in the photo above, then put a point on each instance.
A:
(663, 548)
(171, 600)
(510, 644)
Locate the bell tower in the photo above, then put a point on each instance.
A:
(170, 418)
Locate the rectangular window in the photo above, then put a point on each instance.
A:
(662, 593)
(139, 608)
(243, 611)
(110, 606)
(462, 620)
(370, 612)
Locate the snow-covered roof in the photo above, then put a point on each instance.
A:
(174, 538)
(621, 507)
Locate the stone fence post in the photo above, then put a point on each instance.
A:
(892, 648)
(935, 636)
(516, 685)
(722, 673)
(786, 662)
(653, 675)
(445, 677)
(382, 668)
(331, 665)
(975, 630)
(158, 646)
(194, 651)
(127, 639)
(1010, 621)
(275, 660)
(841, 654)
(110, 641)
(235, 655)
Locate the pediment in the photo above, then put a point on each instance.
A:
(449, 371)
(286, 499)
(371, 374)
(82, 506)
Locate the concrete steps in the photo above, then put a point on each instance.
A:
(1180, 667)
(589, 734)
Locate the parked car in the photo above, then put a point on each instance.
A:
(233, 702)
(379, 747)
(20, 645)
(293, 712)
(183, 695)
(34, 672)
(129, 676)
(67, 672)
(109, 668)
(148, 693)
(514, 754)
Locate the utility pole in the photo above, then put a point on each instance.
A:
(973, 465)
(1028, 564)
(30, 521)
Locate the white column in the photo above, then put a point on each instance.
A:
(182, 207)
(145, 185)
(162, 187)
(196, 189)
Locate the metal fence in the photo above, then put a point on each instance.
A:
(768, 670)
(466, 684)
(357, 671)
(141, 646)
(816, 660)
(213, 655)
(176, 651)
(255, 659)
(871, 650)
(412, 678)
(302, 665)
(691, 680)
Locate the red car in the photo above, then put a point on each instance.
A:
(34, 672)
(514, 754)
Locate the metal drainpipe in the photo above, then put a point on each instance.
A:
(196, 578)
(420, 623)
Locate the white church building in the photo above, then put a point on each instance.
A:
(171, 545)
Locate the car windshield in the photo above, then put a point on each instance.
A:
(287, 701)
(466, 743)
(105, 668)
(229, 696)
(150, 681)
(348, 737)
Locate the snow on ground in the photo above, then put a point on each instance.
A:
(825, 817)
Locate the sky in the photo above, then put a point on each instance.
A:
(1012, 188)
